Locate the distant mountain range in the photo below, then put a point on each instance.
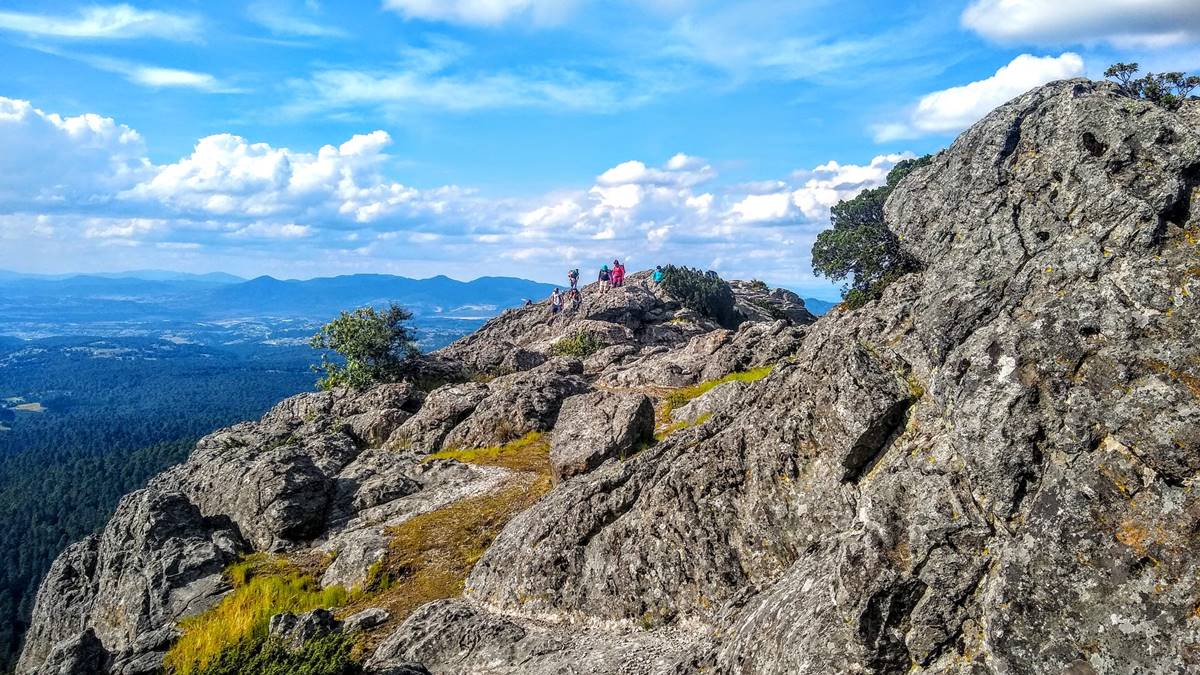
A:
(161, 294)
(157, 296)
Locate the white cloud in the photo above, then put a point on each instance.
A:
(823, 187)
(281, 19)
(171, 77)
(82, 187)
(266, 230)
(407, 88)
(1123, 23)
(483, 12)
(954, 109)
(226, 175)
(113, 22)
(51, 161)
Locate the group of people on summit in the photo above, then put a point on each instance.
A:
(613, 277)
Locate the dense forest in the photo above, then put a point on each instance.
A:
(116, 411)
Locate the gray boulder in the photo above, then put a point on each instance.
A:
(756, 302)
(80, 655)
(296, 631)
(444, 409)
(368, 618)
(717, 398)
(518, 404)
(596, 427)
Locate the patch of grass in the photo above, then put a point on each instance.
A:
(261, 655)
(431, 554)
(681, 425)
(579, 346)
(680, 397)
(263, 587)
(529, 453)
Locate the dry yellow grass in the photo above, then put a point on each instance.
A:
(428, 559)
(263, 587)
(530, 453)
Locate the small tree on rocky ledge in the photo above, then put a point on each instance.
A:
(860, 249)
(702, 292)
(1168, 90)
(375, 346)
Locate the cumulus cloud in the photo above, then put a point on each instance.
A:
(954, 109)
(53, 161)
(483, 12)
(821, 189)
(113, 22)
(226, 175)
(1122, 23)
(85, 181)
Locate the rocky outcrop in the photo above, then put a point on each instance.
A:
(990, 469)
(705, 405)
(599, 426)
(157, 561)
(706, 357)
(755, 302)
(518, 404)
(452, 636)
(638, 317)
(445, 408)
(981, 465)
(294, 632)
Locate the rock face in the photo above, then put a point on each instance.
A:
(599, 426)
(979, 466)
(989, 470)
(157, 561)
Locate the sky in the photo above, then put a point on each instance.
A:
(300, 138)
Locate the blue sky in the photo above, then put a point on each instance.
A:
(470, 137)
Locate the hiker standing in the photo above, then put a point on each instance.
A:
(573, 277)
(555, 302)
(576, 298)
(658, 274)
(618, 273)
(605, 278)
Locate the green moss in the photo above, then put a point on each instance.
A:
(529, 453)
(681, 425)
(579, 346)
(679, 397)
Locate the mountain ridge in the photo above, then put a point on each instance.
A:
(987, 470)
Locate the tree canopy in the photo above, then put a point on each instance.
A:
(1168, 90)
(374, 346)
(702, 292)
(859, 249)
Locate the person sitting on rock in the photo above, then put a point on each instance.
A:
(605, 278)
(576, 299)
(555, 302)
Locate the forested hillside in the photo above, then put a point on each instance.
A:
(116, 411)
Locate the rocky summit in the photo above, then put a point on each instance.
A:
(990, 469)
